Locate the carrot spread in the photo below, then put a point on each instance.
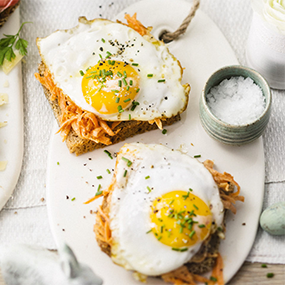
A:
(85, 124)
(226, 184)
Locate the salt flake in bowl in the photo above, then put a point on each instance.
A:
(235, 105)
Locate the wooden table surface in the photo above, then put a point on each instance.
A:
(249, 274)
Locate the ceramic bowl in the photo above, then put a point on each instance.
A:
(227, 133)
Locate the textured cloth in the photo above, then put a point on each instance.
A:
(30, 223)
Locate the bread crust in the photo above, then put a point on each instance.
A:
(6, 13)
(128, 129)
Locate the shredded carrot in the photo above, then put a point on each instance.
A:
(218, 270)
(93, 199)
(158, 122)
(136, 25)
(179, 276)
(85, 124)
(226, 184)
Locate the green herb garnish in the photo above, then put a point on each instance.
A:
(8, 42)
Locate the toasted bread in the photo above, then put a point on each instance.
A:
(128, 129)
(6, 13)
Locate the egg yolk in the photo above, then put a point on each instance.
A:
(110, 86)
(180, 219)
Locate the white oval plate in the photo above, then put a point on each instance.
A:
(12, 135)
(202, 50)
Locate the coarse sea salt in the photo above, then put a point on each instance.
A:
(236, 101)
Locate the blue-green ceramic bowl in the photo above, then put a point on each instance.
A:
(227, 133)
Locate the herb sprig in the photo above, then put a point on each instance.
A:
(8, 42)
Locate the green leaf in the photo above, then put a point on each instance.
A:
(10, 54)
(6, 42)
(9, 36)
(2, 54)
(22, 46)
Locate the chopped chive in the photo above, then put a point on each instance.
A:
(128, 88)
(125, 74)
(57, 163)
(190, 189)
(131, 82)
(100, 56)
(181, 230)
(164, 131)
(201, 226)
(148, 231)
(135, 64)
(108, 171)
(127, 100)
(161, 80)
(115, 90)
(159, 238)
(90, 76)
(264, 265)
(109, 72)
(119, 74)
(270, 275)
(109, 61)
(190, 227)
(129, 163)
(99, 177)
(108, 54)
(117, 99)
(130, 116)
(137, 91)
(150, 75)
(148, 188)
(120, 109)
(125, 173)
(109, 154)
(73, 199)
(101, 87)
(175, 249)
(120, 83)
(185, 196)
(195, 207)
(98, 189)
(81, 72)
(171, 202)
(213, 279)
(183, 249)
(125, 82)
(147, 177)
(102, 40)
(98, 193)
(198, 155)
(192, 234)
(161, 229)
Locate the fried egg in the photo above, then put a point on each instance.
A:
(109, 69)
(163, 205)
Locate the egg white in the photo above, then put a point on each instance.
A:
(66, 52)
(130, 203)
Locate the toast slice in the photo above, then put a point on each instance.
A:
(128, 129)
(6, 13)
